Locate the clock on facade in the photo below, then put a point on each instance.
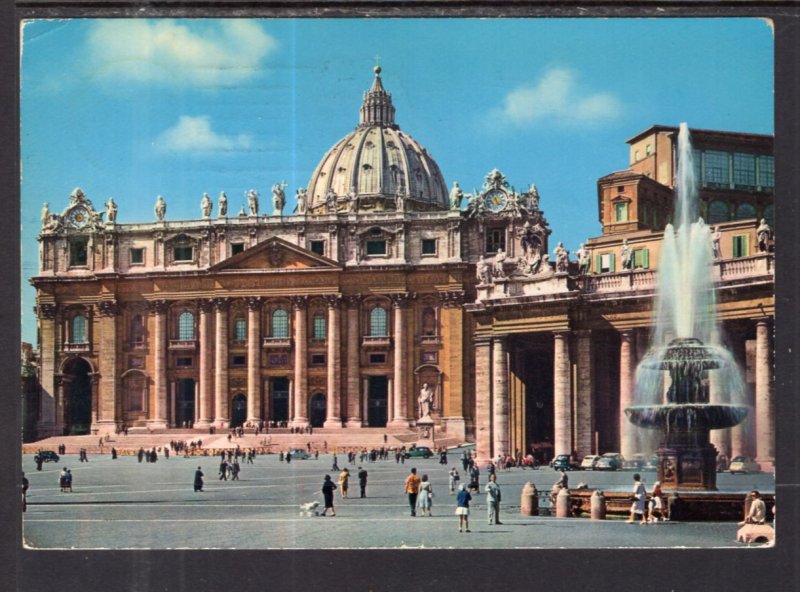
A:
(78, 217)
(495, 200)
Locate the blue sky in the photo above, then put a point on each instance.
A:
(139, 108)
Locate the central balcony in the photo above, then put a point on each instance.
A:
(276, 342)
(77, 348)
(183, 344)
(381, 341)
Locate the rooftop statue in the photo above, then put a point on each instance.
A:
(111, 210)
(562, 258)
(206, 205)
(160, 208)
(482, 271)
(278, 198)
(45, 214)
(626, 255)
(533, 195)
(456, 196)
(716, 243)
(223, 204)
(584, 259)
(330, 200)
(302, 201)
(497, 267)
(252, 201)
(764, 235)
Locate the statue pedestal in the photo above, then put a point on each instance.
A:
(425, 431)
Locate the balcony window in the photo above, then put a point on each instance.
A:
(604, 263)
(641, 258)
(186, 326)
(280, 324)
(621, 211)
(319, 327)
(740, 246)
(240, 329)
(377, 322)
(78, 251)
(495, 240)
(79, 332)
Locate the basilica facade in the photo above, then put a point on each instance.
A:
(383, 284)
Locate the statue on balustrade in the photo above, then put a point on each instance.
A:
(562, 258)
(626, 255)
(160, 208)
(482, 271)
(584, 259)
(497, 267)
(716, 243)
(764, 236)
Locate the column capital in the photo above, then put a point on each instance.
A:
(400, 300)
(46, 311)
(157, 306)
(353, 300)
(108, 308)
(482, 340)
(562, 333)
(222, 304)
(299, 302)
(763, 322)
(452, 298)
(626, 334)
(253, 303)
(500, 339)
(206, 305)
(333, 300)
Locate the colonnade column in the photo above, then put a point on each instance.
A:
(483, 398)
(627, 433)
(254, 359)
(221, 363)
(562, 404)
(400, 403)
(739, 443)
(765, 402)
(47, 398)
(500, 397)
(206, 384)
(720, 439)
(104, 399)
(300, 418)
(334, 404)
(354, 415)
(158, 420)
(584, 395)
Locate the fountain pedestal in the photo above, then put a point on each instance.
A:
(688, 468)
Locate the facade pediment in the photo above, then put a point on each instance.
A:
(275, 254)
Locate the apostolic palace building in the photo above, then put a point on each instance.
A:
(387, 277)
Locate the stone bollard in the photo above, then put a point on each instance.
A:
(598, 505)
(529, 500)
(562, 504)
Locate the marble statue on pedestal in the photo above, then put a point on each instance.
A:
(252, 202)
(278, 198)
(764, 235)
(456, 196)
(425, 401)
(562, 258)
(160, 208)
(626, 255)
(584, 259)
(716, 243)
(206, 205)
(482, 271)
(223, 204)
(497, 267)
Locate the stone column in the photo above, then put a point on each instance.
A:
(354, 413)
(221, 412)
(62, 384)
(105, 403)
(739, 445)
(500, 397)
(158, 419)
(627, 431)
(584, 395)
(254, 359)
(483, 398)
(334, 404)
(400, 416)
(721, 439)
(765, 402)
(562, 403)
(300, 418)
(206, 409)
(47, 369)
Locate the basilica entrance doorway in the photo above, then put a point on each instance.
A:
(377, 401)
(184, 403)
(280, 398)
(238, 410)
(318, 410)
(77, 397)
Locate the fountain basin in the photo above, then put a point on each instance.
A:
(686, 416)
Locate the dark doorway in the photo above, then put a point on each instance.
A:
(536, 369)
(280, 399)
(184, 403)
(318, 410)
(238, 410)
(377, 401)
(78, 398)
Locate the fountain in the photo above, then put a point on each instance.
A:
(686, 384)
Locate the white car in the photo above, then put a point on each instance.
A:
(744, 464)
(588, 462)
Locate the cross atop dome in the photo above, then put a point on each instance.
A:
(377, 108)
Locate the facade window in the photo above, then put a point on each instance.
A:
(236, 248)
(769, 215)
(186, 326)
(740, 246)
(428, 246)
(137, 329)
(718, 212)
(604, 263)
(647, 150)
(377, 358)
(183, 362)
(318, 247)
(621, 211)
(319, 327)
(79, 330)
(636, 156)
(137, 256)
(238, 361)
(317, 359)
(716, 167)
(240, 329)
(766, 171)
(78, 251)
(697, 164)
(182, 252)
(745, 211)
(377, 322)
(428, 321)
(376, 247)
(495, 240)
(641, 258)
(744, 170)
(278, 359)
(280, 324)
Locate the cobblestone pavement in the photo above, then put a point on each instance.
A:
(123, 504)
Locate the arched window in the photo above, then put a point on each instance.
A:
(280, 324)
(79, 334)
(186, 326)
(320, 329)
(769, 215)
(428, 321)
(717, 212)
(745, 211)
(240, 329)
(137, 329)
(377, 322)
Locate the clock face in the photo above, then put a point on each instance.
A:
(78, 217)
(495, 200)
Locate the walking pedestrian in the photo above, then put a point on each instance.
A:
(113, 453)
(328, 487)
(454, 479)
(475, 478)
(639, 500)
(656, 504)
(412, 489)
(68, 481)
(223, 470)
(335, 466)
(462, 507)
(362, 481)
(493, 499)
(25, 485)
(425, 499)
(344, 482)
(235, 470)
(198, 480)
(62, 479)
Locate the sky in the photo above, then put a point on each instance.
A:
(135, 108)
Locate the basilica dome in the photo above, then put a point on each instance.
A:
(377, 162)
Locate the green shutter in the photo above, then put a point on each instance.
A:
(645, 258)
(598, 263)
(611, 266)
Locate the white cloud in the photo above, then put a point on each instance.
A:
(557, 97)
(197, 52)
(194, 134)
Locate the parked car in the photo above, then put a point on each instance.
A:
(610, 461)
(562, 462)
(651, 464)
(744, 464)
(634, 463)
(299, 454)
(46, 456)
(589, 461)
(419, 452)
